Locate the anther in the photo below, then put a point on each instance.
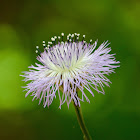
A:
(72, 35)
(62, 34)
(62, 42)
(49, 42)
(67, 37)
(37, 51)
(44, 45)
(83, 37)
(53, 39)
(46, 48)
(84, 42)
(75, 37)
(37, 47)
(74, 43)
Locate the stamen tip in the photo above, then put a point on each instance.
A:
(37, 47)
(62, 34)
(53, 39)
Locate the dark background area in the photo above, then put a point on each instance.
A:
(25, 24)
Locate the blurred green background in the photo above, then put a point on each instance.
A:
(25, 24)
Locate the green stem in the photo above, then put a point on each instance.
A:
(80, 119)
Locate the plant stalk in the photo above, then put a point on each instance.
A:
(80, 119)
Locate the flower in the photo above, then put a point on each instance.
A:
(69, 66)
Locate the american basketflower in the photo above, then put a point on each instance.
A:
(67, 68)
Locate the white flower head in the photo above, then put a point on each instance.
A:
(70, 67)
